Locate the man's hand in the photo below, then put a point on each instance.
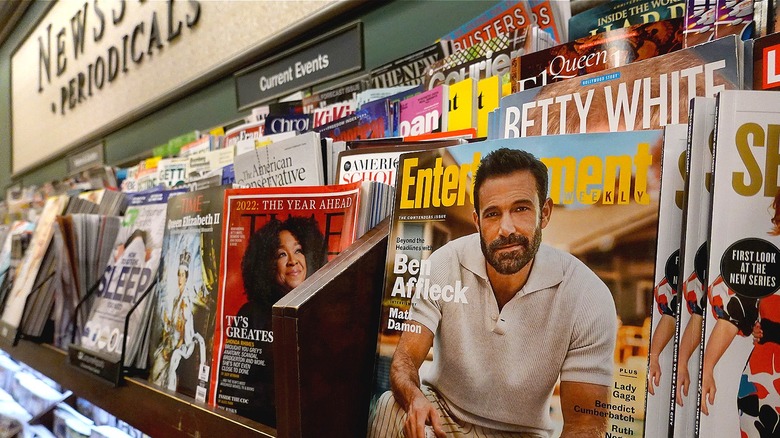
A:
(653, 374)
(683, 382)
(708, 390)
(419, 413)
(405, 383)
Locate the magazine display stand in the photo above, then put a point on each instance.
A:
(340, 301)
(13, 334)
(325, 331)
(40, 416)
(101, 364)
(325, 343)
(154, 411)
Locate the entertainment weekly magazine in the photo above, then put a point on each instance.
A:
(605, 191)
(242, 367)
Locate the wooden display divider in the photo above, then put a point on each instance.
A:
(325, 335)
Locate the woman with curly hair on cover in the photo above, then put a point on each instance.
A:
(280, 255)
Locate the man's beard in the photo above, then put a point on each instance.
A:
(511, 262)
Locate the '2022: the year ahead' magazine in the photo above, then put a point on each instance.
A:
(273, 238)
(588, 328)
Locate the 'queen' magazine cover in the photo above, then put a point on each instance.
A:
(186, 295)
(273, 239)
(520, 300)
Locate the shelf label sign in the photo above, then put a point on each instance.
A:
(333, 55)
(86, 160)
(94, 363)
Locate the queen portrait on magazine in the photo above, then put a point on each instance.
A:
(534, 315)
(179, 337)
(758, 399)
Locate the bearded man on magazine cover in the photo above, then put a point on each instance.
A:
(534, 314)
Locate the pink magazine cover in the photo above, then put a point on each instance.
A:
(425, 112)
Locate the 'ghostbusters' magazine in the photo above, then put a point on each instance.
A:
(186, 295)
(739, 391)
(272, 239)
(601, 216)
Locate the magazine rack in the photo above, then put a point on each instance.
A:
(323, 383)
(37, 418)
(101, 364)
(48, 330)
(13, 334)
(77, 311)
(325, 343)
(5, 287)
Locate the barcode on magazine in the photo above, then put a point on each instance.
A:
(200, 394)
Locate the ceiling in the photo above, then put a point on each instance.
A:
(11, 12)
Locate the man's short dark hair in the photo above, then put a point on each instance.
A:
(504, 161)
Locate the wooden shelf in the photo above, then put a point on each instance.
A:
(314, 370)
(325, 335)
(154, 411)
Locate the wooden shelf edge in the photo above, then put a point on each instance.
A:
(154, 411)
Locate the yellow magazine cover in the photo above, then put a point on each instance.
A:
(488, 97)
(462, 112)
(739, 378)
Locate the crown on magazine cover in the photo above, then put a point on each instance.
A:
(184, 260)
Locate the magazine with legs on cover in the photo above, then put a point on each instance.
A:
(739, 391)
(658, 421)
(693, 270)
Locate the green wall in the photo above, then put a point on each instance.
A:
(36, 10)
(390, 30)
